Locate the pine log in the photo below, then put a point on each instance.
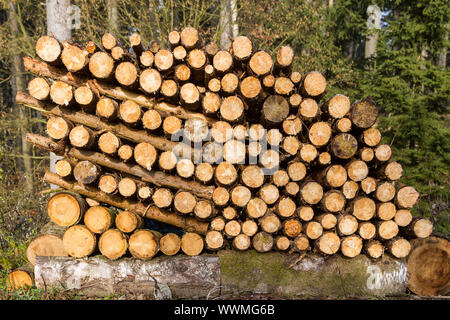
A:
(367, 230)
(232, 109)
(190, 96)
(217, 224)
(126, 74)
(313, 230)
(308, 109)
(296, 170)
(63, 168)
(190, 38)
(305, 213)
(109, 143)
(192, 244)
(256, 208)
(357, 170)
(39, 88)
(242, 48)
(260, 63)
(347, 225)
(49, 49)
(270, 223)
(163, 60)
(282, 243)
(125, 152)
(146, 59)
(150, 81)
(144, 244)
(240, 196)
(374, 249)
(392, 171)
(406, 197)
(428, 266)
(127, 187)
(66, 209)
(151, 120)
(364, 113)
(344, 146)
(162, 198)
(249, 228)
(225, 174)
(301, 243)
(329, 243)
(291, 145)
(107, 108)
(108, 41)
(311, 192)
(241, 242)
(136, 207)
(351, 246)
(314, 84)
(74, 58)
(204, 172)
(46, 143)
(383, 152)
(283, 86)
(47, 243)
(295, 100)
(58, 128)
(368, 185)
(85, 98)
(285, 207)
(333, 176)
(327, 220)
(363, 208)
(232, 228)
(337, 106)
(291, 227)
(291, 189)
(220, 196)
(275, 110)
(333, 201)
(308, 152)
(101, 65)
(343, 125)
(420, 228)
(170, 244)
(320, 133)
(214, 240)
(399, 247)
(385, 192)
(184, 202)
(262, 242)
(292, 125)
(350, 189)
(285, 57)
(113, 244)
(269, 193)
(211, 103)
(386, 210)
(387, 230)
(98, 219)
(144, 192)
(136, 43)
(229, 83)
(204, 210)
(79, 241)
(324, 159)
(86, 172)
(403, 217)
(61, 93)
(222, 61)
(185, 168)
(128, 222)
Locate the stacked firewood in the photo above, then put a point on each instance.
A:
(231, 145)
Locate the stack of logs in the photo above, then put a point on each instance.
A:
(231, 145)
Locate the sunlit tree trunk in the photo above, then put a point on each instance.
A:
(225, 25)
(58, 25)
(19, 84)
(113, 17)
(373, 23)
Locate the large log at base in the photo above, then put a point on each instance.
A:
(429, 266)
(186, 223)
(227, 273)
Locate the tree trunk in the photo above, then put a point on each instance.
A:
(58, 17)
(18, 71)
